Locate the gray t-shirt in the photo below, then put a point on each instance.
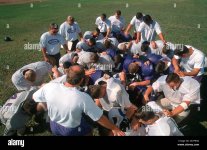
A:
(70, 32)
(41, 69)
(12, 115)
(52, 43)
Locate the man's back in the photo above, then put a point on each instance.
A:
(164, 126)
(66, 104)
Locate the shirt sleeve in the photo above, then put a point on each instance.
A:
(193, 93)
(62, 40)
(97, 21)
(91, 109)
(141, 27)
(132, 22)
(43, 41)
(192, 96)
(157, 86)
(108, 24)
(123, 97)
(78, 29)
(199, 62)
(61, 31)
(157, 28)
(39, 95)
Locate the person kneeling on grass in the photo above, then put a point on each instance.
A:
(17, 111)
(67, 105)
(155, 123)
(179, 94)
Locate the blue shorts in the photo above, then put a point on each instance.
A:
(58, 130)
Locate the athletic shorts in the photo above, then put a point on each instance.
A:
(58, 130)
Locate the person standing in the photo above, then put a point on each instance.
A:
(70, 30)
(50, 43)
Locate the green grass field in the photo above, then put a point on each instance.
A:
(26, 24)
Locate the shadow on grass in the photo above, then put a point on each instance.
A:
(196, 123)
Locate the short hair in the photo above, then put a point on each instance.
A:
(54, 26)
(75, 75)
(71, 18)
(147, 19)
(30, 105)
(160, 67)
(102, 83)
(107, 43)
(181, 51)
(133, 68)
(117, 59)
(30, 75)
(172, 77)
(139, 15)
(118, 12)
(93, 41)
(94, 91)
(66, 65)
(94, 57)
(103, 15)
(145, 113)
(145, 46)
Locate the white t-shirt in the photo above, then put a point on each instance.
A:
(61, 79)
(113, 41)
(148, 33)
(103, 26)
(136, 23)
(196, 60)
(116, 95)
(105, 59)
(70, 32)
(189, 90)
(66, 104)
(85, 58)
(119, 115)
(83, 46)
(159, 48)
(41, 69)
(117, 24)
(164, 126)
(87, 35)
(67, 57)
(135, 48)
(52, 43)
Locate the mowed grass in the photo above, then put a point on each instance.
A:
(26, 24)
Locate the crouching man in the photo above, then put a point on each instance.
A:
(17, 111)
(179, 94)
(66, 106)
